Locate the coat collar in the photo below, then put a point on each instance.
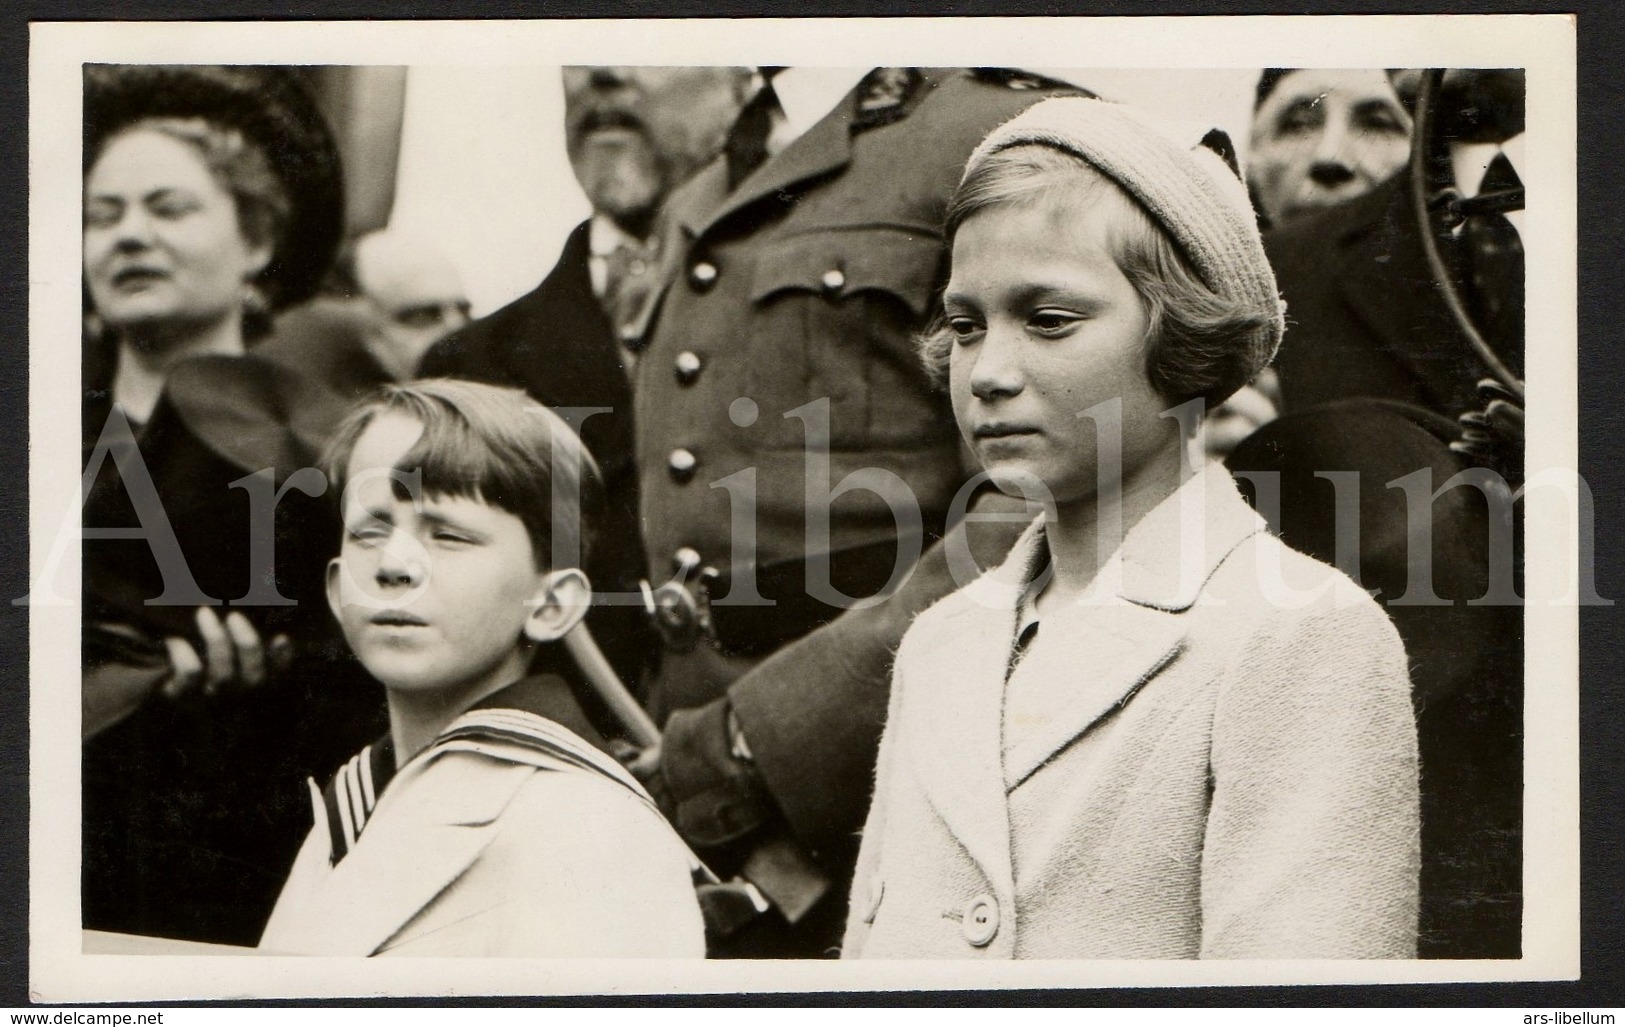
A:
(1168, 557)
(704, 202)
(1165, 559)
(430, 827)
(952, 718)
(434, 818)
(1108, 646)
(806, 94)
(824, 148)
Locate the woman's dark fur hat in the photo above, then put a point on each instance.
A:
(271, 108)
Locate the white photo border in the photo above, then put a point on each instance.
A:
(1544, 45)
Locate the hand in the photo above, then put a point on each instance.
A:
(644, 763)
(129, 668)
(645, 766)
(1493, 435)
(715, 798)
(233, 656)
(1505, 418)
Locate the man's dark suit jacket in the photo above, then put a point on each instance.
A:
(555, 342)
(1365, 317)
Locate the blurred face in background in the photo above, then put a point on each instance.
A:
(164, 253)
(1324, 136)
(635, 133)
(414, 297)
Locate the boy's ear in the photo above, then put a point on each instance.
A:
(559, 604)
(335, 567)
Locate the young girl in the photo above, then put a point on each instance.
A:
(1154, 731)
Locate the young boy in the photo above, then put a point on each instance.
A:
(483, 823)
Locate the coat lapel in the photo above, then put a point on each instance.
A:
(413, 849)
(1104, 653)
(956, 745)
(705, 201)
(1099, 652)
(824, 148)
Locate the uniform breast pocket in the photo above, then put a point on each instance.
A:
(835, 314)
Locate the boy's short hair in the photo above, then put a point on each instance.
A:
(1206, 339)
(494, 445)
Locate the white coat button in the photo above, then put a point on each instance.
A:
(833, 279)
(681, 464)
(981, 920)
(703, 275)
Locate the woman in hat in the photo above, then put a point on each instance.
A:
(212, 199)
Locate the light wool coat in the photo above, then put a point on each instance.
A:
(1223, 766)
(480, 848)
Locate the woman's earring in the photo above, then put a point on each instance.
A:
(256, 311)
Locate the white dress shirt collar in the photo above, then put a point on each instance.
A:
(604, 237)
(805, 96)
(1469, 161)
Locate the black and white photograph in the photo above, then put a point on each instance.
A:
(1014, 503)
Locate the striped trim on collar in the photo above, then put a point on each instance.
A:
(347, 803)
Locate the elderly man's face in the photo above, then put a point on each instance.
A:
(635, 133)
(413, 296)
(1325, 136)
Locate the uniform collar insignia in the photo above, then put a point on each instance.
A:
(1015, 78)
(883, 95)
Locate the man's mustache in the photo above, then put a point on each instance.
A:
(597, 118)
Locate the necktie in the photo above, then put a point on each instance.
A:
(746, 146)
(628, 281)
(1495, 266)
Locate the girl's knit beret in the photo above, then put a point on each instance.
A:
(1184, 177)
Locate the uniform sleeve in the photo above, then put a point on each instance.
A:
(1311, 848)
(590, 870)
(813, 711)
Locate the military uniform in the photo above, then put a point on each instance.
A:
(787, 327)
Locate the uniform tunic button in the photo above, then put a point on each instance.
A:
(681, 464)
(688, 367)
(833, 279)
(981, 920)
(703, 275)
